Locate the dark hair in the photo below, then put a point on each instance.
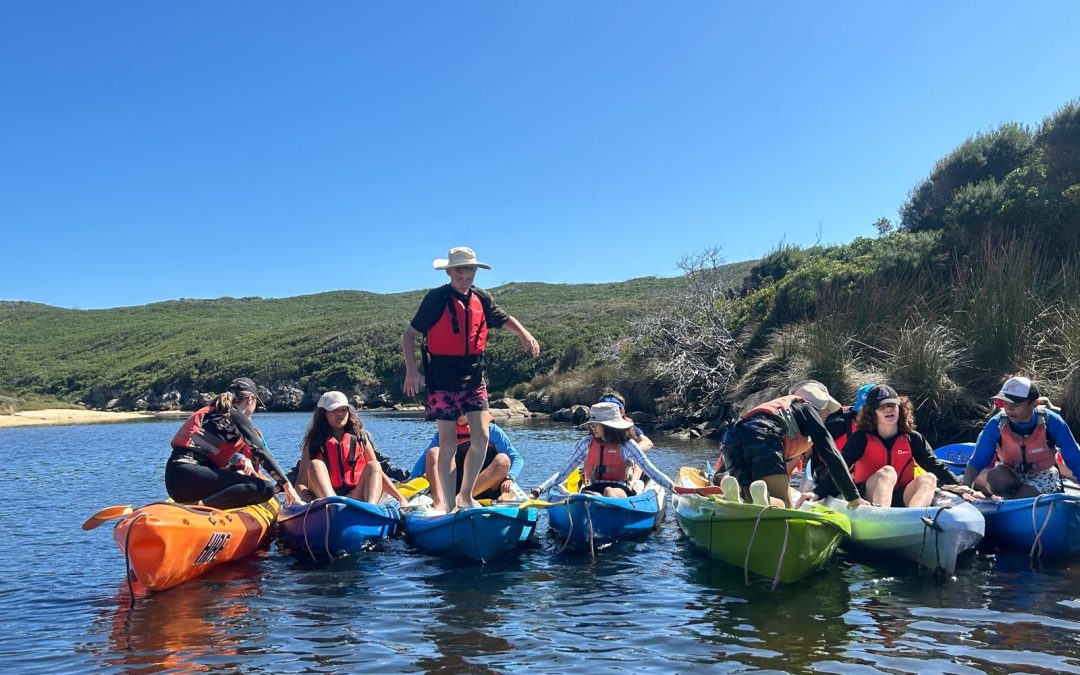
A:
(319, 430)
(867, 420)
(612, 435)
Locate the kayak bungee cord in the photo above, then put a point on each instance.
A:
(750, 547)
(932, 524)
(569, 528)
(1037, 544)
(588, 517)
(127, 556)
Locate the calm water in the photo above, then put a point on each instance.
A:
(654, 605)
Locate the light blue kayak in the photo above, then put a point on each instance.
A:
(332, 527)
(586, 520)
(482, 533)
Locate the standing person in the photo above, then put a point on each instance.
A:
(337, 455)
(217, 453)
(885, 450)
(841, 424)
(502, 462)
(769, 440)
(607, 452)
(454, 320)
(1025, 437)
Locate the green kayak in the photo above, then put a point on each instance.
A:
(783, 544)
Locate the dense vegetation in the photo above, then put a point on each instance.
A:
(976, 283)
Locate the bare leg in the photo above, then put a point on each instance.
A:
(474, 458)
(447, 448)
(493, 475)
(920, 492)
(1003, 482)
(320, 479)
(389, 488)
(431, 470)
(779, 489)
(614, 492)
(370, 486)
(879, 487)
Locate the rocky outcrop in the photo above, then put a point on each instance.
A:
(508, 407)
(575, 414)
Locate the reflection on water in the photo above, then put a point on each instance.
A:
(654, 605)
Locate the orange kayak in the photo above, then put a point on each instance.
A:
(166, 544)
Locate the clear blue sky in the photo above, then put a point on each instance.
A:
(151, 151)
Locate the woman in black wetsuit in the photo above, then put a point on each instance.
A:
(217, 454)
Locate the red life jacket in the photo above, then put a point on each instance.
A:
(212, 435)
(345, 460)
(462, 328)
(877, 455)
(1026, 454)
(604, 462)
(796, 444)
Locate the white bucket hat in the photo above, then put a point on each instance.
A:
(332, 400)
(459, 256)
(816, 394)
(609, 415)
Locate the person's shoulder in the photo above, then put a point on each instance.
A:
(439, 292)
(1053, 417)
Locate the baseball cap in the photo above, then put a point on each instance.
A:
(880, 394)
(860, 397)
(1017, 390)
(332, 400)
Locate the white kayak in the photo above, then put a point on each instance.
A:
(933, 536)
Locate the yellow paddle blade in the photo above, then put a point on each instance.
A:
(412, 486)
(106, 514)
(573, 481)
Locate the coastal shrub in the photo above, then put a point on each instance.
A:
(924, 359)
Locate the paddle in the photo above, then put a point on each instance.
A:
(524, 504)
(106, 514)
(411, 487)
(710, 490)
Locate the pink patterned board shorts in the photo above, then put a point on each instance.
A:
(449, 405)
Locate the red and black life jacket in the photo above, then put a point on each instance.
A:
(213, 436)
(877, 455)
(464, 441)
(461, 330)
(345, 460)
(605, 462)
(796, 445)
(1027, 454)
(849, 428)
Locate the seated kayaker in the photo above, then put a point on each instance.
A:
(885, 450)
(770, 439)
(639, 437)
(217, 454)
(502, 462)
(1025, 437)
(608, 454)
(337, 455)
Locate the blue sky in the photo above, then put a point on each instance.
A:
(151, 151)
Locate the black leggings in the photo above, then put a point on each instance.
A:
(189, 483)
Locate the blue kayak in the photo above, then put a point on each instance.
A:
(586, 520)
(482, 533)
(332, 527)
(1045, 526)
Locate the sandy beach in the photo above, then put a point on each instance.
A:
(30, 418)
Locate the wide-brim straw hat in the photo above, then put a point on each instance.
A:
(609, 415)
(459, 256)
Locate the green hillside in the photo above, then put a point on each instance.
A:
(347, 340)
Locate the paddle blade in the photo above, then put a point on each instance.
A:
(412, 486)
(105, 515)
